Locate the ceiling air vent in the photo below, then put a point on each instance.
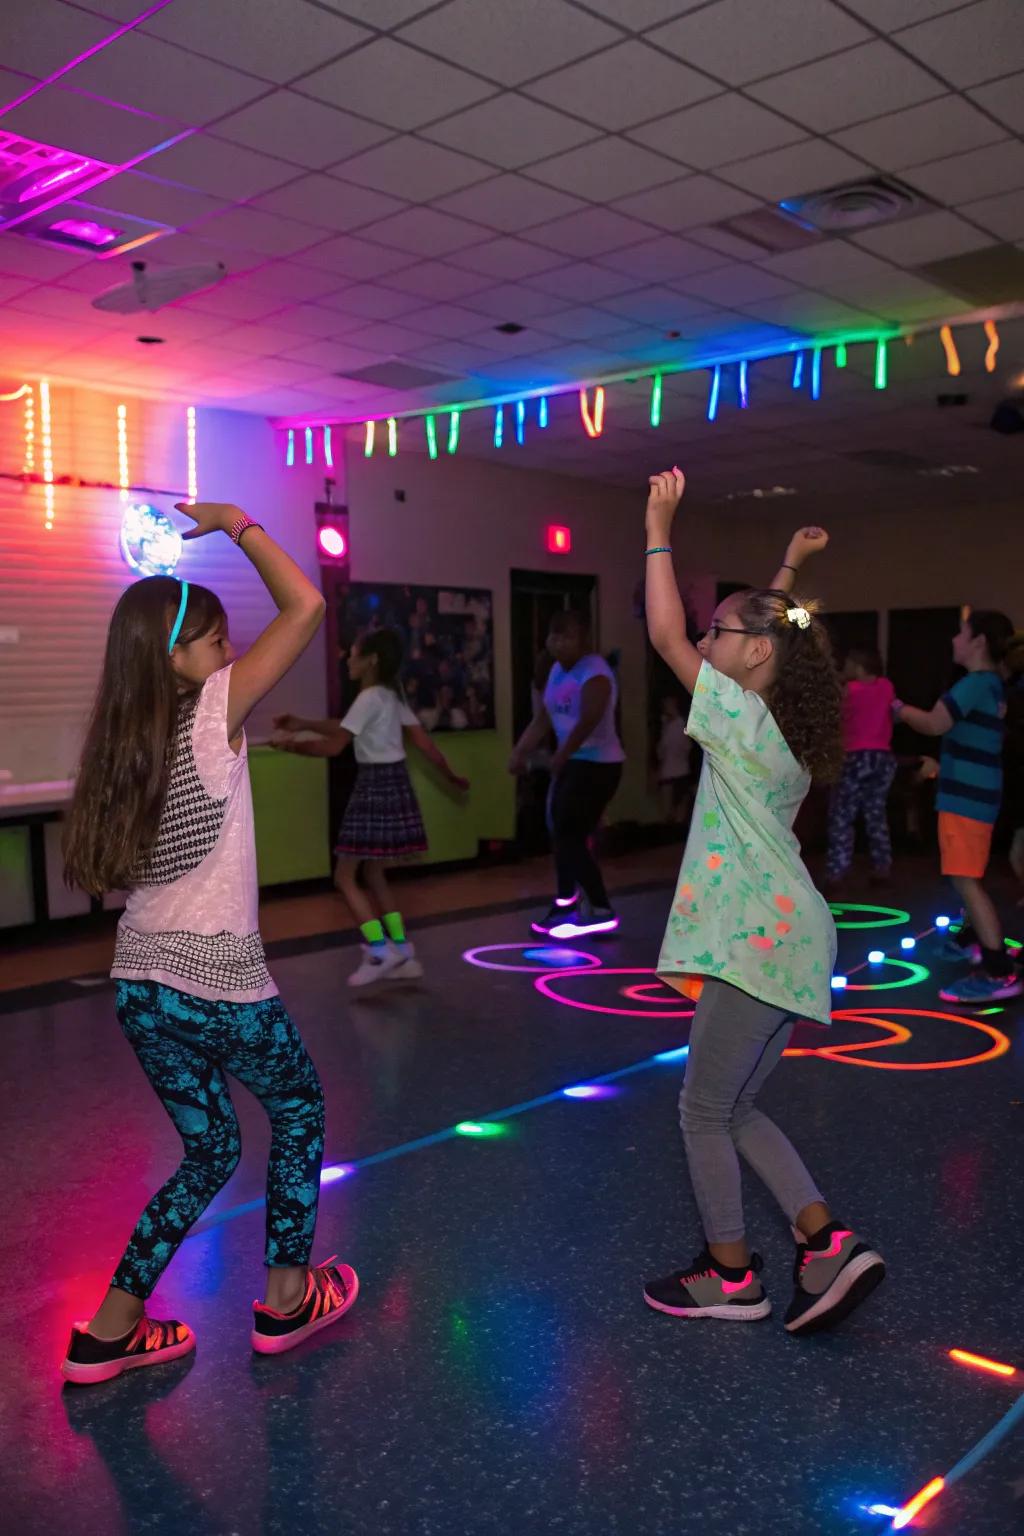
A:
(856, 205)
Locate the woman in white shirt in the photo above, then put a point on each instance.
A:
(579, 706)
(382, 821)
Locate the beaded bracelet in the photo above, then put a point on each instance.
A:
(241, 525)
(662, 549)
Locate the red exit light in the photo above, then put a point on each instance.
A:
(559, 540)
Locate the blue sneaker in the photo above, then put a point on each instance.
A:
(949, 949)
(980, 988)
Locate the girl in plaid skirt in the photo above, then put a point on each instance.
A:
(382, 821)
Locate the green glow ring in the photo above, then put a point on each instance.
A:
(916, 973)
(885, 917)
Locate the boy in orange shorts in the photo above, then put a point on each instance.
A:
(970, 718)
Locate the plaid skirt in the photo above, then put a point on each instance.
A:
(382, 819)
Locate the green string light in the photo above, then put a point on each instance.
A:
(841, 355)
(453, 431)
(881, 364)
(431, 427)
(392, 437)
(656, 401)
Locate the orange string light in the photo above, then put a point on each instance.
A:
(993, 346)
(593, 425)
(952, 355)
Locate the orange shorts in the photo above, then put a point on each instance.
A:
(965, 845)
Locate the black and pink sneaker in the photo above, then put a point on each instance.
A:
(833, 1274)
(331, 1288)
(150, 1342)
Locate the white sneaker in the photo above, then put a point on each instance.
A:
(378, 964)
(408, 967)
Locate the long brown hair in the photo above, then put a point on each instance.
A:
(805, 697)
(121, 784)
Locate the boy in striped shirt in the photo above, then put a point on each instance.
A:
(971, 719)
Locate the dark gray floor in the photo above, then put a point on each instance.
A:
(500, 1370)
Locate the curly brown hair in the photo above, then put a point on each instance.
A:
(806, 695)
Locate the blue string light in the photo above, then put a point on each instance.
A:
(520, 422)
(716, 385)
(499, 426)
(798, 370)
(309, 445)
(289, 457)
(744, 395)
(816, 374)
(542, 412)
(328, 449)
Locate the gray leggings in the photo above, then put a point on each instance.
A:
(735, 1042)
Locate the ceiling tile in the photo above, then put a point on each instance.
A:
(426, 232)
(275, 41)
(147, 198)
(582, 281)
(589, 233)
(10, 287)
(309, 133)
(848, 87)
(895, 296)
(741, 40)
(900, 139)
(507, 42)
(225, 170)
(806, 167)
(888, 15)
(357, 259)
(931, 237)
(316, 320)
(40, 36)
(661, 307)
(250, 229)
(152, 76)
(409, 168)
(384, 14)
(978, 43)
(510, 131)
(516, 302)
(608, 168)
(331, 203)
(510, 203)
(334, 356)
(12, 86)
(687, 203)
(736, 284)
(234, 302)
(365, 301)
(437, 280)
(456, 356)
(1004, 216)
(20, 258)
(386, 336)
(830, 259)
(724, 241)
(261, 340)
(641, 14)
(86, 126)
(292, 282)
(392, 84)
(1004, 99)
(665, 259)
(506, 258)
(980, 173)
(618, 88)
(581, 323)
(448, 321)
(718, 131)
(812, 312)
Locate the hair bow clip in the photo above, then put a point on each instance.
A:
(799, 616)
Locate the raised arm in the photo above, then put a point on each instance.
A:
(424, 742)
(806, 541)
(666, 618)
(300, 609)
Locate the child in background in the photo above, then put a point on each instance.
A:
(868, 770)
(162, 807)
(747, 921)
(675, 753)
(971, 719)
(1013, 754)
(382, 821)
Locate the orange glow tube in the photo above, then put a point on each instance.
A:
(952, 355)
(993, 346)
(928, 1492)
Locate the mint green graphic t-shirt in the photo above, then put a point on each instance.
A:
(745, 909)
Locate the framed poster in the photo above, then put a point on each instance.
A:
(448, 639)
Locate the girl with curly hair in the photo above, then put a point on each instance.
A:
(748, 934)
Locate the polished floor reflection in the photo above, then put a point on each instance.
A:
(500, 1370)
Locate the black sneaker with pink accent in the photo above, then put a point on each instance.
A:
(833, 1274)
(709, 1289)
(331, 1288)
(150, 1342)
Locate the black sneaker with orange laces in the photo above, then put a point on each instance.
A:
(151, 1342)
(331, 1288)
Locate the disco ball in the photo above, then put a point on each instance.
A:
(150, 543)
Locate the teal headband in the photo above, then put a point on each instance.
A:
(179, 621)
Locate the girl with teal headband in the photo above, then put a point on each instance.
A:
(162, 809)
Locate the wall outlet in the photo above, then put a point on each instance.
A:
(9, 635)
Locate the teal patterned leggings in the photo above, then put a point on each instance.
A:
(185, 1045)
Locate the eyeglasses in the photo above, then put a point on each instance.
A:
(714, 630)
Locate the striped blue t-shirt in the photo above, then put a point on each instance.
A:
(971, 775)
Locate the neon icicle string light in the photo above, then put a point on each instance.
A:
(454, 421)
(542, 411)
(28, 463)
(392, 437)
(371, 432)
(798, 370)
(881, 364)
(816, 374)
(593, 423)
(122, 450)
(952, 355)
(309, 445)
(47, 436)
(714, 391)
(289, 456)
(190, 447)
(993, 346)
(16, 394)
(841, 355)
(430, 427)
(656, 401)
(499, 425)
(328, 449)
(520, 422)
(744, 393)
